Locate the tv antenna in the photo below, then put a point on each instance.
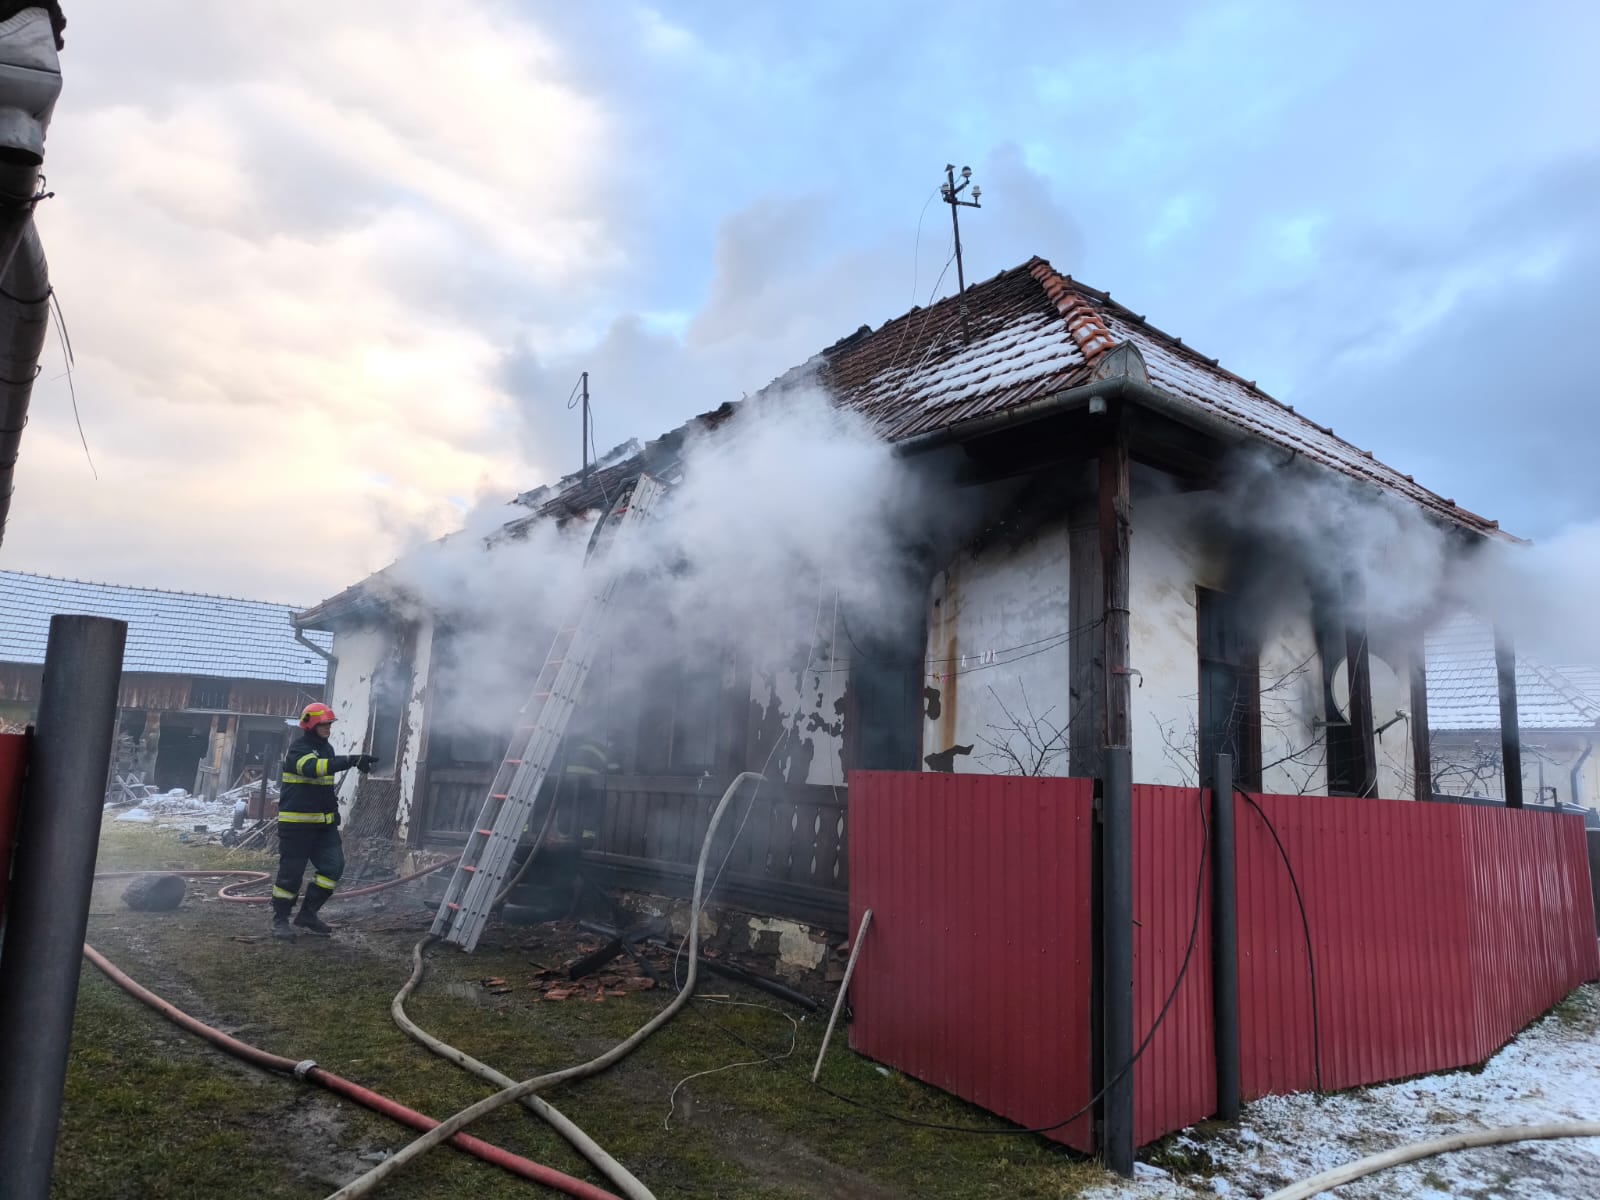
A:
(951, 191)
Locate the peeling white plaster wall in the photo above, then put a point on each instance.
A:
(359, 651)
(992, 618)
(1294, 754)
(413, 731)
(797, 684)
(1164, 565)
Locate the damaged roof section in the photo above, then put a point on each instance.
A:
(1031, 333)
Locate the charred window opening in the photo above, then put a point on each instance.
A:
(1347, 757)
(885, 699)
(390, 688)
(680, 719)
(1230, 687)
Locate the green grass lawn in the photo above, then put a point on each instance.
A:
(152, 1112)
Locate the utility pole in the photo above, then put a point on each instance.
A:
(951, 191)
(585, 382)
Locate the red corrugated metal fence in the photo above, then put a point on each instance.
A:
(1439, 931)
(1175, 1080)
(975, 973)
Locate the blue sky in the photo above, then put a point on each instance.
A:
(351, 258)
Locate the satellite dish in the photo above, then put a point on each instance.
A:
(1388, 695)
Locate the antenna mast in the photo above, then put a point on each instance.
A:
(951, 192)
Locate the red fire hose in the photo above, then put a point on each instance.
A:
(311, 1073)
(248, 878)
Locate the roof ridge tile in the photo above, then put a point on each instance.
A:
(1083, 322)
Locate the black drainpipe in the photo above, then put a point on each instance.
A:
(1576, 768)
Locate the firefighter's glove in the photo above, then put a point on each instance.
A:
(365, 762)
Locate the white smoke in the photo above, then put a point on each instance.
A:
(1354, 545)
(1546, 594)
(790, 495)
(789, 505)
(1408, 569)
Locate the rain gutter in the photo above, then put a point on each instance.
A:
(1118, 387)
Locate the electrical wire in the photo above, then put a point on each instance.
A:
(916, 246)
(1039, 646)
(1183, 970)
(1305, 923)
(71, 362)
(794, 1041)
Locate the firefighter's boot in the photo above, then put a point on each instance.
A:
(307, 918)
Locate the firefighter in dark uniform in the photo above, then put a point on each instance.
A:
(308, 823)
(588, 761)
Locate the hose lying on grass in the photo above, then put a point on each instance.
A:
(311, 1073)
(1374, 1163)
(619, 1176)
(369, 1182)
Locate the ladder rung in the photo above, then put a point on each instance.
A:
(453, 907)
(499, 796)
(487, 832)
(513, 762)
(466, 867)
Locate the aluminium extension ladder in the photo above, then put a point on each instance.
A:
(541, 724)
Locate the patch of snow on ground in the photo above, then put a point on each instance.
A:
(177, 809)
(1550, 1073)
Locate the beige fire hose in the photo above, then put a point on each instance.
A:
(1374, 1163)
(368, 1183)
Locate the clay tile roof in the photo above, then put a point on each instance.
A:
(1464, 693)
(1033, 332)
(918, 373)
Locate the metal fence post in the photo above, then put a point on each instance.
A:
(1224, 940)
(58, 834)
(1116, 956)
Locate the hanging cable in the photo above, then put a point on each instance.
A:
(71, 362)
(1166, 1007)
(1305, 924)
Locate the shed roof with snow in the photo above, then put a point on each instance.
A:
(1463, 687)
(169, 633)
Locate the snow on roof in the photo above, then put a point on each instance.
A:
(1034, 332)
(1464, 694)
(169, 633)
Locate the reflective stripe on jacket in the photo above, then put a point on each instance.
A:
(589, 758)
(307, 796)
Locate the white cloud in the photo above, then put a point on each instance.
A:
(272, 284)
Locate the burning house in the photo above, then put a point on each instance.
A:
(994, 535)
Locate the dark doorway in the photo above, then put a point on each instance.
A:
(183, 744)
